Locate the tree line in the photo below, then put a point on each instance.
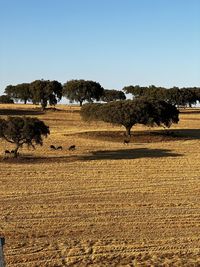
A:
(45, 91)
(185, 96)
(50, 92)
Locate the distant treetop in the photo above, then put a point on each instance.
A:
(82, 90)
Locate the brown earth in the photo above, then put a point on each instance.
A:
(104, 204)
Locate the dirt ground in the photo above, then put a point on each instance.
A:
(105, 203)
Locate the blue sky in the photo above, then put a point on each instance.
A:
(114, 42)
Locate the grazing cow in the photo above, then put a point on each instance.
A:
(72, 147)
(126, 142)
(52, 147)
(127, 139)
(12, 153)
(7, 153)
(59, 148)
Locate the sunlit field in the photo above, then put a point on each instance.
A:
(105, 203)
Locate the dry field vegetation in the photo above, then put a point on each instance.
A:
(104, 204)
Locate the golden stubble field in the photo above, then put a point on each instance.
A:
(104, 204)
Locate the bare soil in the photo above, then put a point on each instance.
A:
(104, 204)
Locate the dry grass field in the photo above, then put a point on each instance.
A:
(104, 204)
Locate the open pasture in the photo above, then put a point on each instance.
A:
(104, 204)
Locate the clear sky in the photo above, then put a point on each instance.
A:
(114, 42)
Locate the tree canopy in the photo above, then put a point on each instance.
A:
(130, 112)
(81, 90)
(112, 95)
(19, 92)
(181, 97)
(39, 91)
(23, 130)
(5, 99)
(176, 96)
(44, 91)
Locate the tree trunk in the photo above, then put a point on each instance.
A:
(81, 103)
(43, 104)
(25, 101)
(128, 132)
(16, 151)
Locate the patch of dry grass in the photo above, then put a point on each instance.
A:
(104, 204)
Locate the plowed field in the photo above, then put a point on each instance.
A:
(105, 203)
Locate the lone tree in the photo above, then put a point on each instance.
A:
(81, 90)
(44, 91)
(23, 130)
(112, 95)
(130, 112)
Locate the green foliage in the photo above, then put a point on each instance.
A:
(11, 92)
(39, 91)
(136, 90)
(151, 92)
(19, 92)
(175, 96)
(188, 96)
(44, 91)
(181, 97)
(23, 130)
(112, 95)
(91, 111)
(130, 112)
(196, 92)
(4, 99)
(164, 114)
(81, 90)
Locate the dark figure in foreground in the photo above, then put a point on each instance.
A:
(127, 138)
(7, 153)
(10, 154)
(126, 141)
(72, 148)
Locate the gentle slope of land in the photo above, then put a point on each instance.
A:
(104, 204)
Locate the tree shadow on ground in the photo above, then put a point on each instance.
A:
(20, 112)
(192, 111)
(147, 136)
(31, 159)
(121, 154)
(129, 154)
(187, 133)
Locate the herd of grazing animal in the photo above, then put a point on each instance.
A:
(11, 154)
(70, 148)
